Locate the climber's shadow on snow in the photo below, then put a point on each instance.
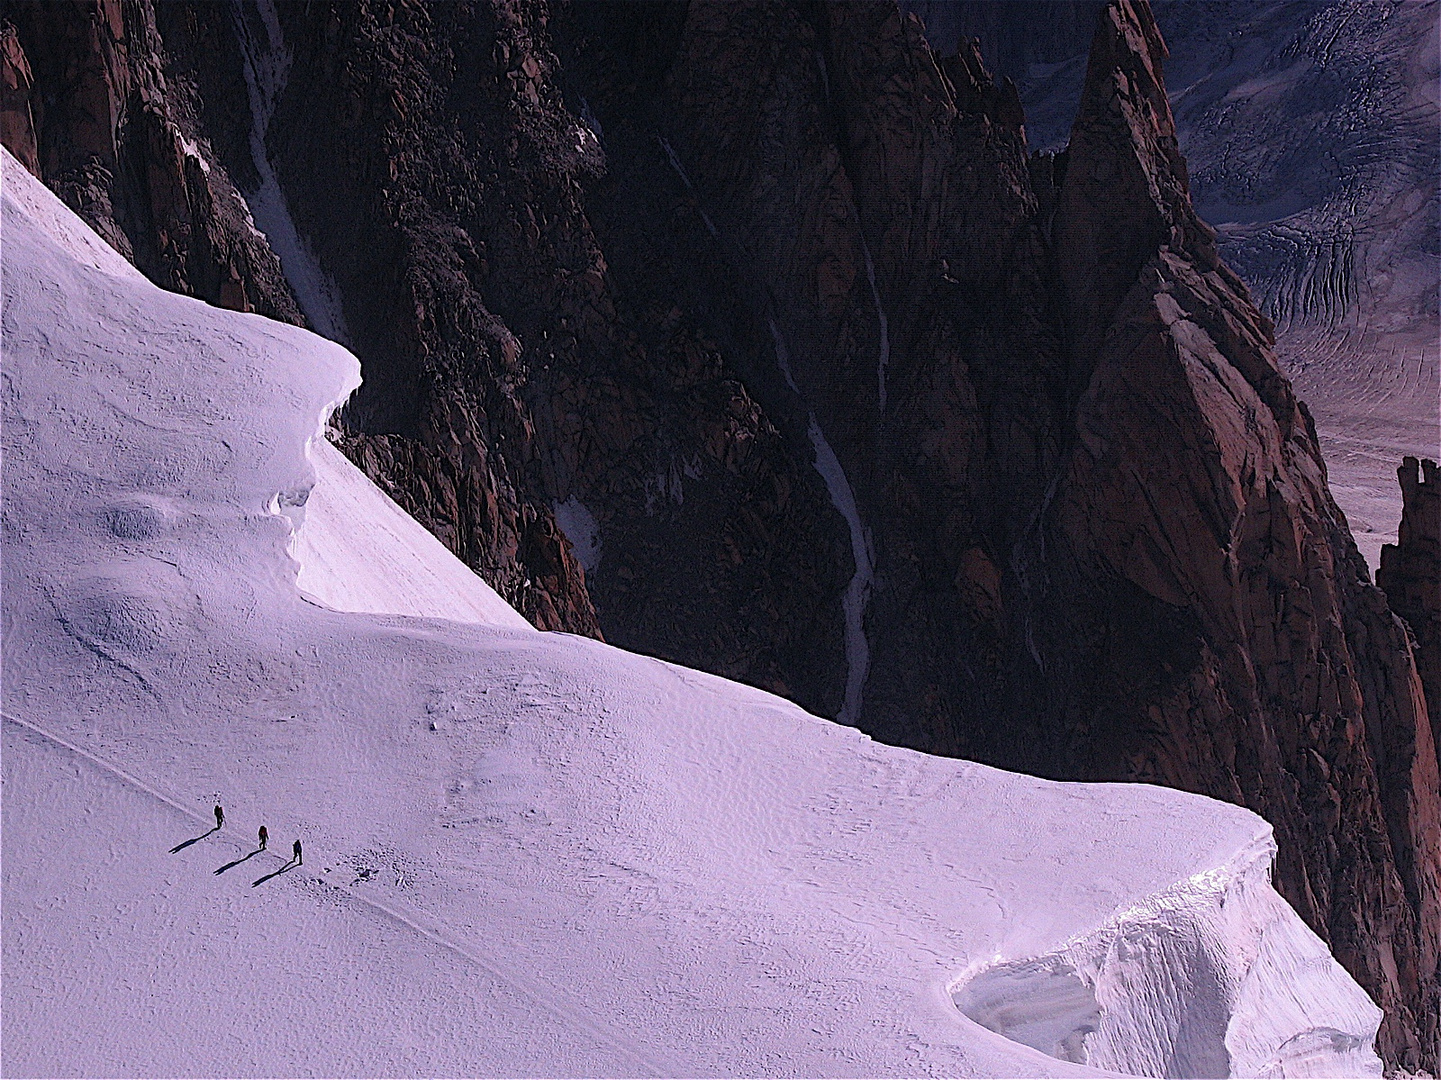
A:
(193, 840)
(236, 862)
(291, 865)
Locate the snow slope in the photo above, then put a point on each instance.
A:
(526, 853)
(358, 551)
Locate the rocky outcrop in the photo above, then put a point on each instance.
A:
(17, 122)
(1410, 574)
(115, 128)
(1313, 150)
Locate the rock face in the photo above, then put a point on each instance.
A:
(1313, 140)
(1410, 574)
(97, 106)
(507, 374)
(1196, 489)
(17, 121)
(1103, 546)
(834, 386)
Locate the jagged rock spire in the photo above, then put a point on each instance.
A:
(1410, 574)
(1196, 487)
(1125, 192)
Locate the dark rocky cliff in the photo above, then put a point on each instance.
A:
(839, 389)
(1313, 133)
(1410, 574)
(1196, 488)
(98, 107)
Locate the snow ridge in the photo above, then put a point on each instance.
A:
(525, 853)
(858, 591)
(267, 68)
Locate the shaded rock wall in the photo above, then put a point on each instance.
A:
(17, 119)
(469, 184)
(1313, 138)
(1410, 574)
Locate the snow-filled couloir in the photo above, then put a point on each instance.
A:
(524, 853)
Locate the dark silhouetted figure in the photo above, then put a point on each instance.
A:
(296, 849)
(219, 816)
(264, 836)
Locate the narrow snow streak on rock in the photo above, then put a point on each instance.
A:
(858, 592)
(587, 117)
(685, 179)
(885, 353)
(582, 530)
(266, 68)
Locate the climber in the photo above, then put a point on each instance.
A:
(264, 836)
(296, 849)
(219, 816)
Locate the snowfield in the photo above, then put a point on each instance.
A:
(525, 853)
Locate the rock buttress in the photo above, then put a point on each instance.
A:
(1410, 574)
(1195, 487)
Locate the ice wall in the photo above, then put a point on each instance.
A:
(1215, 977)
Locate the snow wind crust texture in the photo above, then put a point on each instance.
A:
(525, 853)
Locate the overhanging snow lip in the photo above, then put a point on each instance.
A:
(1071, 1002)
